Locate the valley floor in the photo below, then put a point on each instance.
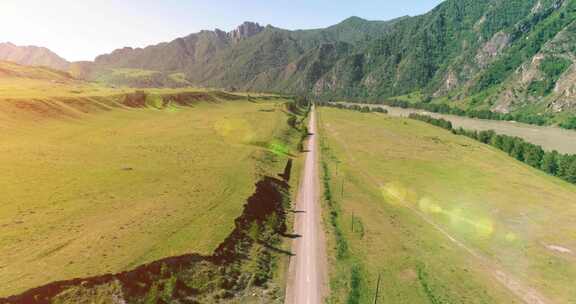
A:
(100, 193)
(440, 218)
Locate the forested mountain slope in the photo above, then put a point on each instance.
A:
(503, 55)
(250, 57)
(462, 50)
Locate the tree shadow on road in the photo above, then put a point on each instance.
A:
(278, 250)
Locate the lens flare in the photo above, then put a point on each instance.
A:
(278, 148)
(484, 228)
(427, 205)
(470, 221)
(234, 130)
(395, 193)
(479, 226)
(511, 237)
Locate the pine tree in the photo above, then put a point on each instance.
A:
(571, 172)
(518, 151)
(550, 163)
(497, 142)
(533, 155)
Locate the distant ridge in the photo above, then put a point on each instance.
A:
(32, 55)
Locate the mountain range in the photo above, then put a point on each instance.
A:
(499, 55)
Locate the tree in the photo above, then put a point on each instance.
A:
(497, 142)
(302, 101)
(533, 155)
(550, 163)
(569, 123)
(564, 162)
(486, 136)
(518, 151)
(507, 144)
(571, 172)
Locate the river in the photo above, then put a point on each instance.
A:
(550, 138)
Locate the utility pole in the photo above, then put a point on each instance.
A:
(337, 166)
(342, 193)
(377, 290)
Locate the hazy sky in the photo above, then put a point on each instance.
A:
(82, 29)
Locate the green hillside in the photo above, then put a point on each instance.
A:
(503, 56)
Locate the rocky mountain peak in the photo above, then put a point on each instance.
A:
(32, 55)
(245, 30)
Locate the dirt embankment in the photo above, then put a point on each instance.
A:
(141, 99)
(77, 107)
(242, 260)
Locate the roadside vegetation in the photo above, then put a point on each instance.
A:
(440, 218)
(345, 279)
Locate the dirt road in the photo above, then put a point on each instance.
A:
(307, 273)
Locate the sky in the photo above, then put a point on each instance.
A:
(83, 29)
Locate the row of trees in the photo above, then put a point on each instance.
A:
(481, 114)
(533, 119)
(443, 123)
(553, 163)
(363, 109)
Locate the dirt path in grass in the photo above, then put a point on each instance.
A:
(308, 267)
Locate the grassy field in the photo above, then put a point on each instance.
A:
(442, 218)
(17, 82)
(106, 192)
(140, 78)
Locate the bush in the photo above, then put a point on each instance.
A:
(569, 124)
(439, 122)
(380, 110)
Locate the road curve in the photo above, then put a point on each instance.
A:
(307, 271)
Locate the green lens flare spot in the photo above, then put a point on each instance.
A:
(278, 148)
